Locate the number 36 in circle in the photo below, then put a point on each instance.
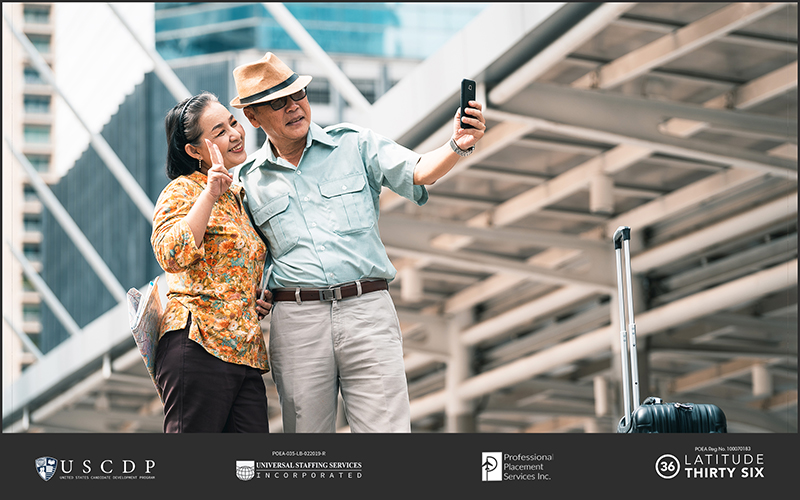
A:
(667, 466)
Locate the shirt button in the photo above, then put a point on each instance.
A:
(322, 247)
(344, 187)
(299, 172)
(306, 198)
(313, 224)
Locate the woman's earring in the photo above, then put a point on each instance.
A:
(199, 164)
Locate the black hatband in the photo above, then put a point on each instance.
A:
(276, 88)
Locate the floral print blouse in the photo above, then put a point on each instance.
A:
(216, 282)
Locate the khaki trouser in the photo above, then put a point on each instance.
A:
(317, 348)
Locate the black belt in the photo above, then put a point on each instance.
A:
(353, 289)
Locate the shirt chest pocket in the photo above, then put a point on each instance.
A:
(278, 225)
(351, 205)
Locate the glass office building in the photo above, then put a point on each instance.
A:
(396, 30)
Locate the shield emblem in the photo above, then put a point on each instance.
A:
(46, 467)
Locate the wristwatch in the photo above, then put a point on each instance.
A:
(457, 150)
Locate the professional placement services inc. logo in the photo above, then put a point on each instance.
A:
(46, 467)
(492, 466)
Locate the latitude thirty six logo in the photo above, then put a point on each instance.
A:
(46, 467)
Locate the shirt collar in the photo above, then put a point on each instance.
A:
(265, 153)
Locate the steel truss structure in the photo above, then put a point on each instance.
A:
(676, 119)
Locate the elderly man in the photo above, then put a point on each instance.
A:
(313, 193)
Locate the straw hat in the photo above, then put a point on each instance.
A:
(265, 80)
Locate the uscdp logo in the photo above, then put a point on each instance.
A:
(492, 466)
(46, 467)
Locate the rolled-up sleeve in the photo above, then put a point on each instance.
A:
(172, 239)
(392, 164)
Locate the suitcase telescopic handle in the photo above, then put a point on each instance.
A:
(622, 238)
(622, 233)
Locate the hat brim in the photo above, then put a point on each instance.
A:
(299, 84)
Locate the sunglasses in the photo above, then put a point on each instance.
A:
(280, 102)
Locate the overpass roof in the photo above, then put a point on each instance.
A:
(678, 120)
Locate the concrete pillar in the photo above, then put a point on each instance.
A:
(601, 195)
(600, 396)
(459, 414)
(410, 284)
(762, 381)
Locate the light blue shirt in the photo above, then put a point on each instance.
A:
(321, 218)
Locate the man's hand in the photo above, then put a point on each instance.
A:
(466, 138)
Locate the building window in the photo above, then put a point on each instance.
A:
(319, 91)
(40, 163)
(32, 252)
(32, 76)
(32, 223)
(27, 286)
(37, 14)
(41, 42)
(37, 104)
(32, 313)
(37, 134)
(367, 88)
(29, 194)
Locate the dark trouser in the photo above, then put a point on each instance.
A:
(202, 393)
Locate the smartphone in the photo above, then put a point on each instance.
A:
(467, 94)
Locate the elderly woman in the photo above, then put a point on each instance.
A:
(211, 354)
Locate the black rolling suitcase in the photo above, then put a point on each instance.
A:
(653, 415)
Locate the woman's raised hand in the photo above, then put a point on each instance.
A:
(219, 179)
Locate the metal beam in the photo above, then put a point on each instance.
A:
(739, 38)
(712, 375)
(588, 115)
(496, 139)
(555, 52)
(598, 278)
(572, 181)
(162, 69)
(106, 153)
(65, 364)
(525, 314)
(676, 44)
(403, 224)
(777, 402)
(745, 96)
(648, 323)
(681, 199)
(714, 234)
(312, 49)
(70, 227)
(49, 297)
(23, 337)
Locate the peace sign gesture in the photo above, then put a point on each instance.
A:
(219, 179)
